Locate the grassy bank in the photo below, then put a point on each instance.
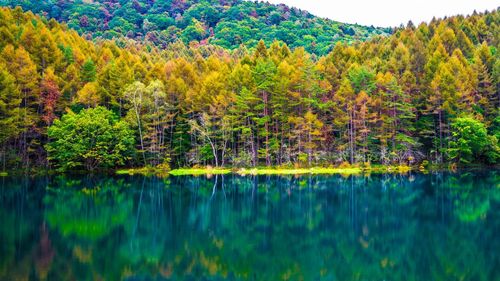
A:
(149, 171)
(298, 171)
(145, 171)
(200, 171)
(274, 171)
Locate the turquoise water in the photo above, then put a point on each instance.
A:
(440, 226)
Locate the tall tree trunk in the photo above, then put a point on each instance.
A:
(266, 127)
(440, 126)
(254, 150)
(309, 140)
(351, 138)
(214, 151)
(140, 133)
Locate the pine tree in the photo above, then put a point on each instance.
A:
(158, 121)
(20, 65)
(264, 75)
(361, 120)
(49, 95)
(260, 51)
(88, 71)
(10, 122)
(89, 95)
(344, 118)
(486, 93)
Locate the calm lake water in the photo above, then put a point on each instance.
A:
(440, 226)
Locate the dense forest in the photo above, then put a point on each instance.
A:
(426, 93)
(226, 23)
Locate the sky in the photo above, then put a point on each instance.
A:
(389, 13)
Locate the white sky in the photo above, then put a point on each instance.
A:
(388, 13)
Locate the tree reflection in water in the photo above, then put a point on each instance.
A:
(440, 226)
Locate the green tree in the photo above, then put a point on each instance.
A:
(92, 139)
(471, 142)
(134, 95)
(89, 71)
(264, 78)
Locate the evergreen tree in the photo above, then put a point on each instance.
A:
(10, 122)
(88, 71)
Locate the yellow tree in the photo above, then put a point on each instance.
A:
(10, 99)
(307, 133)
(20, 65)
(343, 119)
(89, 95)
(361, 122)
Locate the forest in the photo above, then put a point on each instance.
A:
(425, 94)
(226, 23)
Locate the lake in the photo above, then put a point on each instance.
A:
(436, 226)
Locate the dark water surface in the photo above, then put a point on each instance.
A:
(440, 226)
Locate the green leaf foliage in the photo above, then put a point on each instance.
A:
(224, 23)
(470, 141)
(94, 138)
(392, 100)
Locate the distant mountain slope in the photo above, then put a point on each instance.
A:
(227, 23)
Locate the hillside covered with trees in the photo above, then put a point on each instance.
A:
(226, 23)
(428, 92)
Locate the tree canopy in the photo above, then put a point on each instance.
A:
(394, 100)
(226, 23)
(93, 138)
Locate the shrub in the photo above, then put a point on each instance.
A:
(92, 139)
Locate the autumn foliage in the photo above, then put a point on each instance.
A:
(388, 100)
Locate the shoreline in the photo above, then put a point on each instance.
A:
(258, 171)
(262, 171)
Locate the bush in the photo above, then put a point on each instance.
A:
(92, 139)
(471, 142)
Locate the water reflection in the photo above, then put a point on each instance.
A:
(384, 227)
